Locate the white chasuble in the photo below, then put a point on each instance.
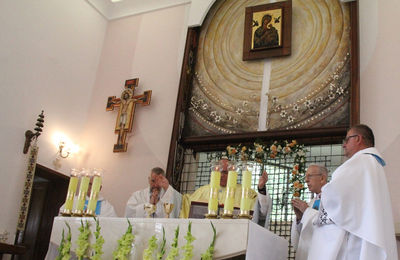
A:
(135, 205)
(301, 234)
(355, 218)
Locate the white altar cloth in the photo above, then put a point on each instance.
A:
(234, 237)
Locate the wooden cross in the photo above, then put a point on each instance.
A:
(127, 104)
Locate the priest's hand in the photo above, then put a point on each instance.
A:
(262, 180)
(163, 182)
(299, 206)
(154, 198)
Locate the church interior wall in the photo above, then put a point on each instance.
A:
(67, 62)
(49, 53)
(135, 47)
(379, 91)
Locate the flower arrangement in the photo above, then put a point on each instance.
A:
(208, 255)
(188, 247)
(261, 153)
(83, 241)
(98, 245)
(174, 251)
(65, 245)
(124, 247)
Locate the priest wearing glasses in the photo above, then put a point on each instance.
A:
(355, 215)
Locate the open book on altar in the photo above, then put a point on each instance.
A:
(199, 209)
(234, 237)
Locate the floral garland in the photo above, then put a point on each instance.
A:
(262, 152)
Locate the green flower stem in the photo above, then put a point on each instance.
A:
(208, 255)
(98, 245)
(83, 241)
(124, 247)
(60, 248)
(65, 252)
(174, 251)
(149, 251)
(161, 253)
(188, 248)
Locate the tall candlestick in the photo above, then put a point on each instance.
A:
(69, 201)
(230, 193)
(245, 201)
(83, 187)
(214, 187)
(94, 194)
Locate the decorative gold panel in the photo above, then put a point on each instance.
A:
(308, 89)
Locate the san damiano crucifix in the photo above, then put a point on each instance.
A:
(126, 112)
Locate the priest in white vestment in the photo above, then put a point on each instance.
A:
(158, 193)
(355, 217)
(302, 227)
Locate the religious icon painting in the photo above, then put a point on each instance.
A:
(267, 31)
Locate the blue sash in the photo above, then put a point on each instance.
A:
(316, 204)
(98, 207)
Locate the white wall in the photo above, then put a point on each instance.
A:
(49, 53)
(380, 80)
(149, 47)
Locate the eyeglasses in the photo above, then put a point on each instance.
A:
(311, 175)
(348, 138)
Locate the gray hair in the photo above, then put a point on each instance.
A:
(322, 169)
(158, 171)
(366, 132)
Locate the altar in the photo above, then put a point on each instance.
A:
(234, 236)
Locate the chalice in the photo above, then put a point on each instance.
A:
(168, 207)
(150, 209)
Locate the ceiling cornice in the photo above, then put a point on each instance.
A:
(126, 8)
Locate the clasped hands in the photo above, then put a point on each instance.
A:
(299, 206)
(160, 183)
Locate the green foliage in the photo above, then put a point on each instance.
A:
(208, 255)
(98, 245)
(149, 251)
(188, 247)
(60, 248)
(174, 251)
(65, 245)
(124, 247)
(161, 253)
(83, 241)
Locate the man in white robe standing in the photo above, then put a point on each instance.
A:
(158, 193)
(355, 217)
(302, 228)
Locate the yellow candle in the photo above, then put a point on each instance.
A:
(215, 179)
(214, 185)
(91, 208)
(246, 185)
(232, 178)
(246, 179)
(230, 192)
(213, 203)
(69, 202)
(82, 193)
(245, 201)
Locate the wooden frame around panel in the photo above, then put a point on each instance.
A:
(284, 33)
(213, 143)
